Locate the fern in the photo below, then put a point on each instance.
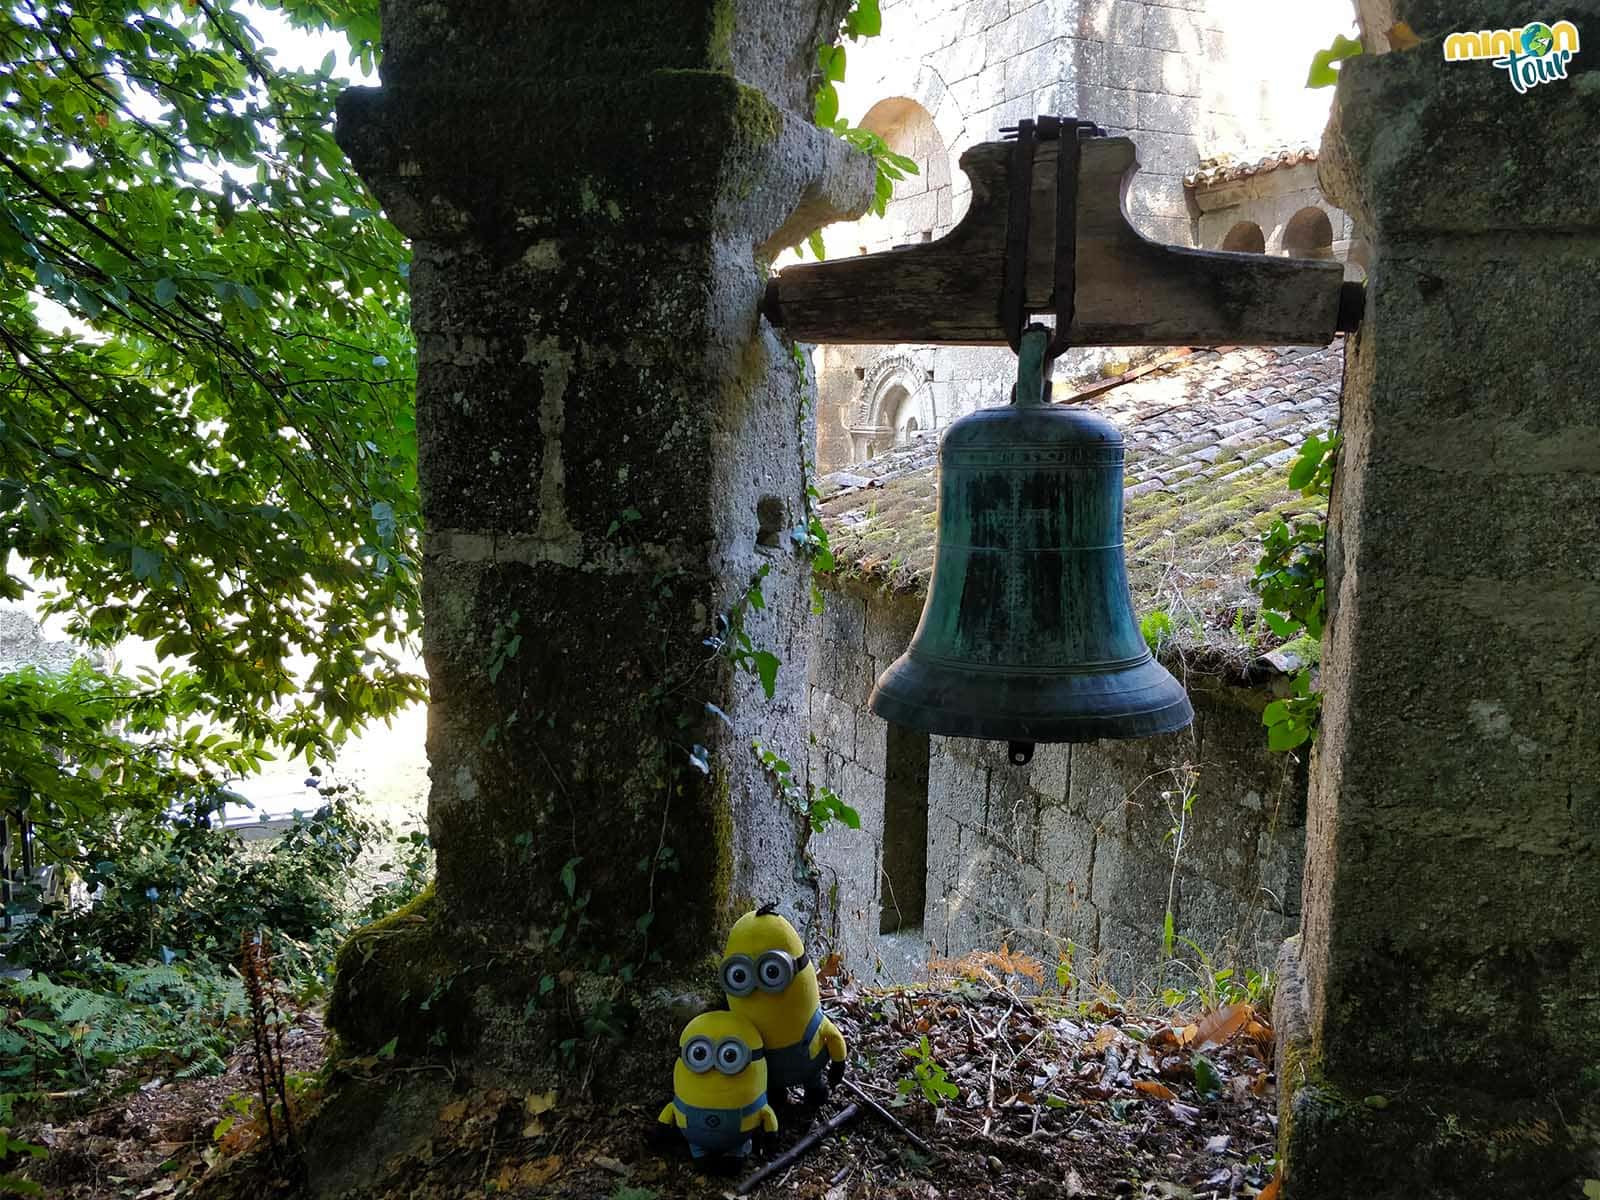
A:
(130, 1013)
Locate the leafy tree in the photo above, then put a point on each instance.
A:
(206, 370)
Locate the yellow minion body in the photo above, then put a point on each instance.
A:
(771, 982)
(719, 1086)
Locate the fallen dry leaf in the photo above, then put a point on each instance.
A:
(1104, 1037)
(539, 1102)
(453, 1112)
(539, 1171)
(1270, 1192)
(1400, 37)
(1157, 1091)
(1216, 1028)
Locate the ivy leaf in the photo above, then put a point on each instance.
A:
(767, 665)
(1322, 70)
(864, 20)
(825, 109)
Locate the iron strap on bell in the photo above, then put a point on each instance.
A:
(1028, 633)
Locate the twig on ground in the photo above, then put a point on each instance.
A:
(884, 1114)
(838, 1121)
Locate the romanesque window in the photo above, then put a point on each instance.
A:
(1309, 234)
(1246, 237)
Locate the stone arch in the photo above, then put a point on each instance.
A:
(1246, 238)
(1309, 234)
(895, 402)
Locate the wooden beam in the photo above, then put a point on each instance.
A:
(1130, 291)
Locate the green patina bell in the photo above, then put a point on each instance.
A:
(1028, 633)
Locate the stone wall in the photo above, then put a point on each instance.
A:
(1080, 847)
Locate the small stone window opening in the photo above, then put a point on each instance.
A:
(1246, 238)
(769, 520)
(1309, 234)
(903, 889)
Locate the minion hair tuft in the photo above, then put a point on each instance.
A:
(767, 910)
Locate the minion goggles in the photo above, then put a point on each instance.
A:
(771, 972)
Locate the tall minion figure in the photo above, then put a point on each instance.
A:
(719, 1086)
(771, 982)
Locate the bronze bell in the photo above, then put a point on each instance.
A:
(1028, 633)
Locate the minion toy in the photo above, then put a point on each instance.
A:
(771, 982)
(719, 1086)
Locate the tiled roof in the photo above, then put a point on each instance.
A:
(1225, 169)
(1210, 435)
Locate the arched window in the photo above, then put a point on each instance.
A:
(1245, 237)
(922, 206)
(1309, 234)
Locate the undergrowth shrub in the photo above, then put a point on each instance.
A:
(145, 979)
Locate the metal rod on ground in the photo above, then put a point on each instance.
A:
(839, 1119)
(884, 1114)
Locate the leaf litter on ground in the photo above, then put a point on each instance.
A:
(1053, 1098)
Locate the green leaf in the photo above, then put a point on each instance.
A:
(766, 665)
(146, 564)
(1206, 1076)
(166, 291)
(1287, 735)
(825, 109)
(1322, 63)
(1279, 624)
(814, 241)
(388, 1048)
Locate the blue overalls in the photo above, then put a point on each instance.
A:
(718, 1130)
(789, 1066)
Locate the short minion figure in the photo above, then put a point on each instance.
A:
(719, 1086)
(771, 982)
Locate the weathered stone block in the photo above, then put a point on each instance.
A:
(1172, 29)
(1171, 114)
(1116, 108)
(1050, 772)
(957, 786)
(1053, 63)
(1029, 28)
(1066, 847)
(1134, 67)
(833, 723)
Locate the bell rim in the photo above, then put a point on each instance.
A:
(1167, 707)
(1172, 717)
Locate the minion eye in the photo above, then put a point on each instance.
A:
(698, 1055)
(775, 971)
(738, 976)
(732, 1056)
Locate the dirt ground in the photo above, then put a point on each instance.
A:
(1049, 1100)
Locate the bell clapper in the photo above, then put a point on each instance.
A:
(1020, 753)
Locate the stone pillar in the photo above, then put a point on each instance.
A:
(607, 432)
(1440, 1014)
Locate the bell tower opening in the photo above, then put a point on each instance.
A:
(904, 881)
(1309, 234)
